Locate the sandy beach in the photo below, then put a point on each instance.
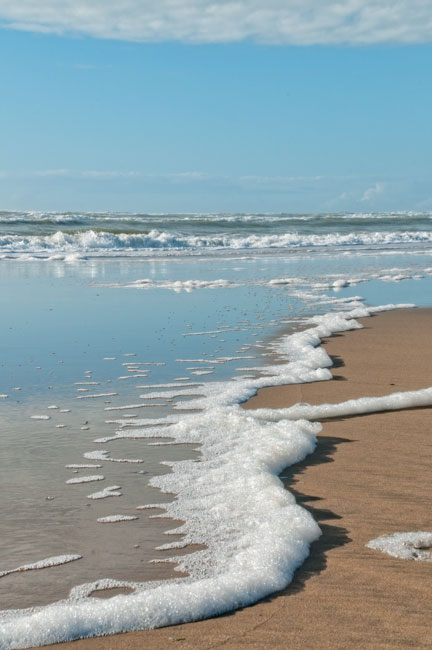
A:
(369, 476)
(215, 342)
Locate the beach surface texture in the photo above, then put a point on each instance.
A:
(369, 476)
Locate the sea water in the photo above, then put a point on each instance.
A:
(122, 333)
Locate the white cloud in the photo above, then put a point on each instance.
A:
(297, 22)
(372, 192)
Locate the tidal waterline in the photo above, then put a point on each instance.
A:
(108, 326)
(67, 340)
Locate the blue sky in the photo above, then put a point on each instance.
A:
(181, 121)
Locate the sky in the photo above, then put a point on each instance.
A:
(228, 106)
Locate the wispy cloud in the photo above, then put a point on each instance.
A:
(97, 174)
(372, 192)
(93, 174)
(296, 22)
(196, 191)
(247, 182)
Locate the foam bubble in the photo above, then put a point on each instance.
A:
(282, 282)
(407, 546)
(130, 406)
(85, 479)
(96, 396)
(237, 358)
(82, 466)
(232, 501)
(394, 401)
(340, 284)
(170, 394)
(43, 564)
(194, 361)
(135, 376)
(103, 455)
(113, 519)
(170, 385)
(175, 285)
(110, 491)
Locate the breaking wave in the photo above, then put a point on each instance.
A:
(86, 218)
(109, 243)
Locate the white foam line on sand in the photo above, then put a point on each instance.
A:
(173, 385)
(85, 479)
(265, 535)
(110, 491)
(43, 564)
(130, 406)
(96, 396)
(102, 454)
(415, 545)
(113, 519)
(82, 466)
(134, 376)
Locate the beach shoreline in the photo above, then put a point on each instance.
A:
(366, 478)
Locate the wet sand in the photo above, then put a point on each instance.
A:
(369, 476)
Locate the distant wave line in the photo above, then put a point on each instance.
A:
(91, 241)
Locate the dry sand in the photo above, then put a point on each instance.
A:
(369, 476)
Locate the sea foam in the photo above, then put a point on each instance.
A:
(85, 479)
(110, 491)
(114, 519)
(73, 246)
(232, 501)
(42, 564)
(416, 545)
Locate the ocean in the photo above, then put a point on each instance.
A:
(128, 343)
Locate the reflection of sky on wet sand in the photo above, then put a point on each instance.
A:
(58, 327)
(63, 327)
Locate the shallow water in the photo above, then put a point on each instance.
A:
(72, 330)
(58, 330)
